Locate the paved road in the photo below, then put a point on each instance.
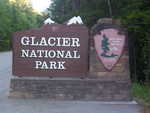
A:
(45, 106)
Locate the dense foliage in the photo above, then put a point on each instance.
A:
(15, 15)
(89, 10)
(134, 14)
(142, 92)
(137, 20)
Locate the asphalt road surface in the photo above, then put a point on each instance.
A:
(8, 105)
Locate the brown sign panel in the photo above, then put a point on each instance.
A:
(109, 45)
(53, 50)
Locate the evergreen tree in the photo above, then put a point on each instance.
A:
(105, 45)
(105, 48)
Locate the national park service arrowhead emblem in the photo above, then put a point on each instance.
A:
(109, 45)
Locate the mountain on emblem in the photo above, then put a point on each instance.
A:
(109, 45)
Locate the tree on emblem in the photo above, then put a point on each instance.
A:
(105, 48)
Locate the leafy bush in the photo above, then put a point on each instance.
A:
(15, 16)
(142, 92)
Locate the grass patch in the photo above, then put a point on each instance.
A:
(142, 92)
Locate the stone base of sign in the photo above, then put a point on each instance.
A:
(103, 88)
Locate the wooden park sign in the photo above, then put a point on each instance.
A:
(109, 44)
(53, 50)
(63, 51)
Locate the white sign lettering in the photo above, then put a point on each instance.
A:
(50, 53)
(51, 41)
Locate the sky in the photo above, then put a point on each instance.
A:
(40, 5)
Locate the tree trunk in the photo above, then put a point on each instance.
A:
(75, 4)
